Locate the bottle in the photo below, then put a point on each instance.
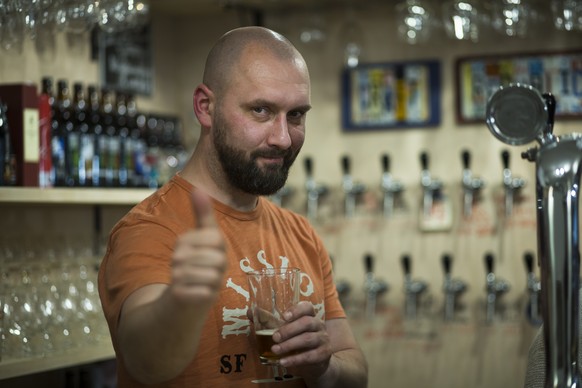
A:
(85, 160)
(61, 126)
(46, 103)
(122, 133)
(109, 141)
(4, 147)
(95, 132)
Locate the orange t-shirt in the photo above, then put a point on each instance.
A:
(139, 253)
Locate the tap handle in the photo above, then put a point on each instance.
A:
(424, 160)
(489, 262)
(346, 164)
(369, 263)
(385, 163)
(308, 166)
(551, 105)
(529, 261)
(466, 157)
(505, 159)
(406, 264)
(447, 263)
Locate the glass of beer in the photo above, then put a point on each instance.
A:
(272, 292)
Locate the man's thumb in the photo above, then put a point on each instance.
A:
(202, 206)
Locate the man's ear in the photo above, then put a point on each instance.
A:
(203, 101)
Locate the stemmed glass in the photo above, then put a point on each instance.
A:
(413, 21)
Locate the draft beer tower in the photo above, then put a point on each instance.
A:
(518, 114)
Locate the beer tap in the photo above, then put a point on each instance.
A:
(342, 286)
(390, 187)
(471, 185)
(279, 196)
(373, 287)
(452, 288)
(314, 191)
(511, 184)
(519, 114)
(495, 288)
(413, 289)
(430, 187)
(533, 290)
(350, 188)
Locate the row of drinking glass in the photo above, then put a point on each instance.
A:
(462, 19)
(49, 304)
(40, 19)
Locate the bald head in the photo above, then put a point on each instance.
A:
(228, 51)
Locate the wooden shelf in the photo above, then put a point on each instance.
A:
(10, 368)
(73, 196)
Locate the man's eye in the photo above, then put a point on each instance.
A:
(260, 109)
(296, 114)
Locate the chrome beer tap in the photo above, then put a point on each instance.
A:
(518, 114)
(350, 188)
(452, 288)
(342, 286)
(284, 192)
(314, 191)
(390, 187)
(494, 287)
(533, 290)
(471, 184)
(373, 287)
(511, 184)
(413, 289)
(430, 187)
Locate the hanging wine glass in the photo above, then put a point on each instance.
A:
(413, 21)
(352, 40)
(80, 15)
(460, 19)
(567, 14)
(119, 15)
(511, 17)
(12, 26)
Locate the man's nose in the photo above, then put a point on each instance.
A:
(279, 136)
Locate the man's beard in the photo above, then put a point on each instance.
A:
(244, 173)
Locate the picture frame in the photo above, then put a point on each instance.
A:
(126, 61)
(478, 77)
(391, 95)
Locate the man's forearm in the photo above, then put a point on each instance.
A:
(158, 339)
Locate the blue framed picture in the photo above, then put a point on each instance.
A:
(478, 77)
(391, 95)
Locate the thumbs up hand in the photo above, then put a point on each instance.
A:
(199, 260)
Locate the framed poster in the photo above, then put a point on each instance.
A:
(559, 73)
(125, 60)
(391, 95)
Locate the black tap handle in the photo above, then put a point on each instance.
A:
(529, 261)
(369, 263)
(551, 106)
(385, 163)
(489, 262)
(346, 164)
(308, 166)
(466, 157)
(406, 264)
(505, 158)
(424, 160)
(447, 263)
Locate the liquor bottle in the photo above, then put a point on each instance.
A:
(7, 177)
(122, 134)
(46, 103)
(109, 144)
(81, 120)
(61, 126)
(138, 138)
(95, 132)
(73, 144)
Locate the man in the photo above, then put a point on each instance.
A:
(173, 281)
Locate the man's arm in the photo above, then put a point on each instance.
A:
(160, 325)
